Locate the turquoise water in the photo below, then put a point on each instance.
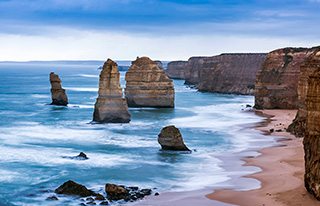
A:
(36, 138)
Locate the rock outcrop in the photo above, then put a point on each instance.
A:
(147, 85)
(118, 192)
(110, 106)
(160, 65)
(310, 65)
(311, 140)
(72, 188)
(277, 80)
(170, 138)
(233, 73)
(177, 69)
(58, 94)
(193, 70)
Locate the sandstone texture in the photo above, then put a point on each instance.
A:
(148, 86)
(277, 80)
(110, 106)
(311, 140)
(233, 73)
(310, 65)
(193, 70)
(58, 94)
(177, 69)
(170, 138)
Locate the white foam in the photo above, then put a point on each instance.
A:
(41, 96)
(82, 89)
(88, 75)
(82, 106)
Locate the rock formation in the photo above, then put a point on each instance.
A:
(193, 70)
(148, 86)
(72, 188)
(311, 140)
(160, 65)
(170, 138)
(277, 80)
(310, 65)
(230, 73)
(177, 69)
(110, 106)
(117, 192)
(58, 94)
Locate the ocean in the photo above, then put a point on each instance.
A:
(37, 139)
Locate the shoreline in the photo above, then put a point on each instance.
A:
(282, 175)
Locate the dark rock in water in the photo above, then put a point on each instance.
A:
(104, 203)
(91, 203)
(170, 138)
(82, 155)
(157, 194)
(248, 105)
(99, 197)
(279, 130)
(119, 192)
(271, 130)
(90, 199)
(52, 198)
(58, 94)
(72, 188)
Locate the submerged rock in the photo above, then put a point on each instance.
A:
(170, 138)
(72, 188)
(58, 94)
(147, 85)
(110, 106)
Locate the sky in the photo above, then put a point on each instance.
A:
(159, 29)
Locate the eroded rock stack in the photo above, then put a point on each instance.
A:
(177, 69)
(277, 80)
(310, 65)
(148, 86)
(110, 106)
(311, 140)
(170, 138)
(58, 94)
(233, 73)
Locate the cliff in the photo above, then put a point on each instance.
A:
(160, 65)
(147, 85)
(110, 106)
(176, 69)
(310, 65)
(277, 80)
(311, 140)
(58, 94)
(230, 73)
(193, 70)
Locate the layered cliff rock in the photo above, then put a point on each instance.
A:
(160, 65)
(310, 65)
(110, 106)
(277, 80)
(58, 94)
(147, 85)
(193, 70)
(177, 69)
(230, 73)
(311, 140)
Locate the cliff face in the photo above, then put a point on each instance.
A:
(176, 69)
(311, 140)
(148, 86)
(277, 80)
(310, 65)
(58, 94)
(110, 106)
(193, 70)
(160, 65)
(230, 73)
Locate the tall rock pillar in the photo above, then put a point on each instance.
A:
(110, 106)
(58, 94)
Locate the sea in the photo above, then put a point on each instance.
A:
(38, 140)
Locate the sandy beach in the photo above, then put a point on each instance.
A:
(282, 170)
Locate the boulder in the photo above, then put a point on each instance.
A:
(309, 66)
(147, 85)
(277, 80)
(170, 138)
(118, 192)
(311, 140)
(177, 69)
(110, 106)
(72, 188)
(58, 94)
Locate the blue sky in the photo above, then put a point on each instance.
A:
(161, 29)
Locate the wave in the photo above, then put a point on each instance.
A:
(82, 89)
(88, 75)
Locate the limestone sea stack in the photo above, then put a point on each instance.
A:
(58, 94)
(110, 106)
(177, 69)
(277, 80)
(309, 66)
(311, 140)
(170, 138)
(232, 73)
(147, 85)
